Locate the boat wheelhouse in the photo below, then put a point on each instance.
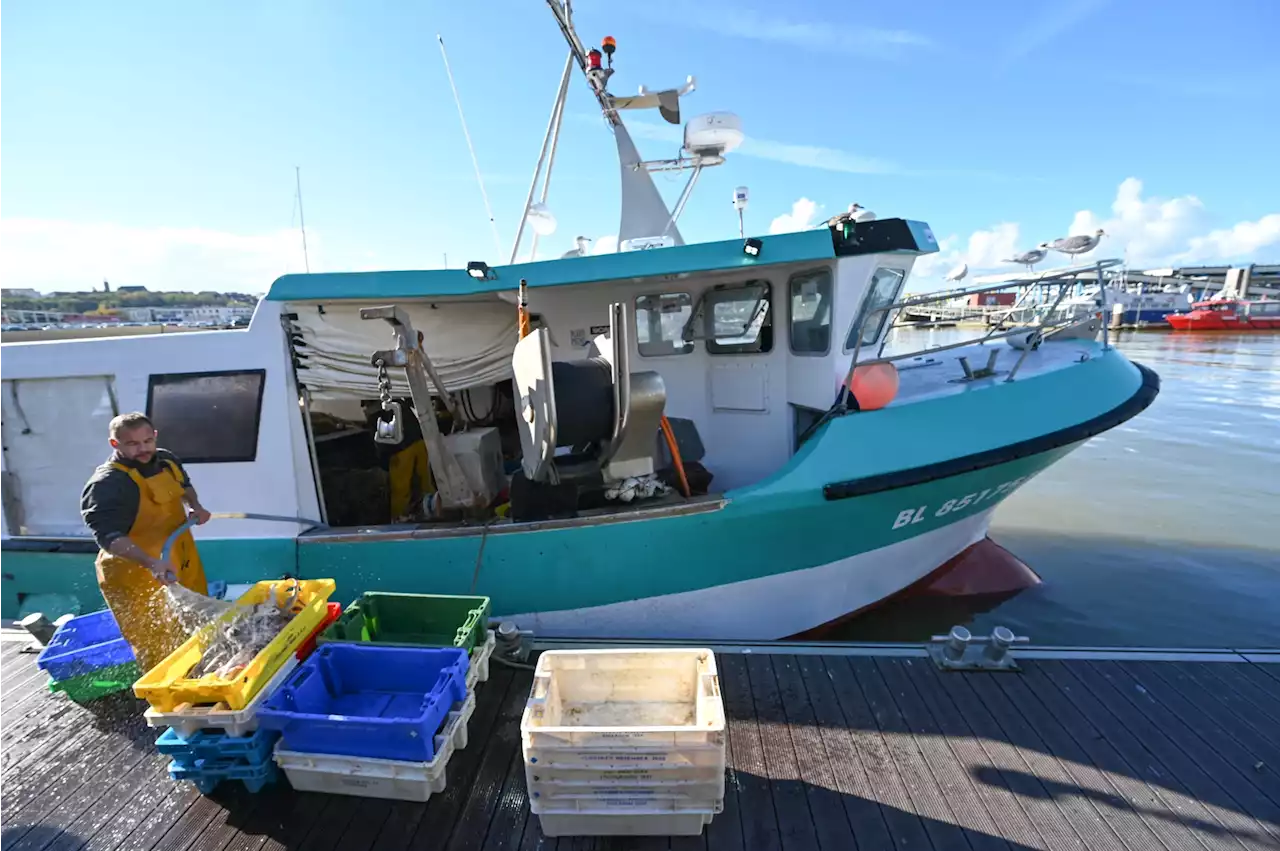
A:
(1229, 314)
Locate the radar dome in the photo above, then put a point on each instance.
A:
(714, 134)
(541, 219)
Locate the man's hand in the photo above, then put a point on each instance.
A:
(201, 514)
(162, 570)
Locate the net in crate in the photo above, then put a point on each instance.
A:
(369, 701)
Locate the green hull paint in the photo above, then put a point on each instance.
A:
(781, 524)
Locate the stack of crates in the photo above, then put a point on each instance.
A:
(408, 648)
(88, 658)
(212, 727)
(372, 721)
(625, 742)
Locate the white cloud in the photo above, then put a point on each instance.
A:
(824, 36)
(47, 255)
(1054, 20)
(1148, 232)
(802, 217)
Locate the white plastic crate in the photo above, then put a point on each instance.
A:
(367, 777)
(478, 669)
(574, 796)
(651, 823)
(624, 757)
(640, 776)
(187, 719)
(624, 699)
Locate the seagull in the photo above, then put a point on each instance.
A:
(957, 274)
(1074, 245)
(856, 213)
(1029, 258)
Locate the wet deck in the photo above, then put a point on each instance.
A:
(826, 752)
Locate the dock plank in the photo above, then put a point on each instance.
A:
(823, 752)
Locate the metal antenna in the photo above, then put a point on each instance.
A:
(302, 220)
(497, 243)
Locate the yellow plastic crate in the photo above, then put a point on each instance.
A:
(166, 686)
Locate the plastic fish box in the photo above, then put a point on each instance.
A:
(413, 620)
(83, 645)
(188, 718)
(642, 801)
(398, 779)
(216, 746)
(332, 612)
(621, 700)
(369, 701)
(624, 756)
(596, 775)
(207, 774)
(86, 688)
(659, 784)
(478, 666)
(656, 821)
(166, 686)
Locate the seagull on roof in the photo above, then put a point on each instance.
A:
(855, 213)
(957, 274)
(1076, 245)
(1029, 258)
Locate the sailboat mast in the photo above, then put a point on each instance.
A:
(302, 221)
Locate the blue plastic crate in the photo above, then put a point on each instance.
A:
(206, 774)
(83, 645)
(216, 745)
(368, 701)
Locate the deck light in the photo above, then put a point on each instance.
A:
(752, 247)
(593, 60)
(480, 270)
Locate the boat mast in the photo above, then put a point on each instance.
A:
(302, 221)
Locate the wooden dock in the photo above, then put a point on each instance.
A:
(827, 750)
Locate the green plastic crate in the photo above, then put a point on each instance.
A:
(89, 687)
(412, 620)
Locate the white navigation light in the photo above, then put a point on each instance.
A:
(740, 198)
(541, 219)
(713, 134)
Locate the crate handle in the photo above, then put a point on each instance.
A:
(711, 685)
(541, 685)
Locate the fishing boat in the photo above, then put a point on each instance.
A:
(1229, 314)
(665, 440)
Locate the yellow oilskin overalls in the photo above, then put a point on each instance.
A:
(133, 594)
(403, 466)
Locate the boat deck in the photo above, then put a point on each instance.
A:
(827, 750)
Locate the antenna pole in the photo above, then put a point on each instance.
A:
(497, 242)
(552, 129)
(741, 233)
(302, 220)
(557, 121)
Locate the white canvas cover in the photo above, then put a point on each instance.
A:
(470, 343)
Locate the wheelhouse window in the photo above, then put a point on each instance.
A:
(738, 319)
(811, 312)
(208, 417)
(660, 321)
(885, 284)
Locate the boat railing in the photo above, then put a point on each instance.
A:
(1043, 324)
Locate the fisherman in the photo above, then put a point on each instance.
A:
(132, 504)
(405, 461)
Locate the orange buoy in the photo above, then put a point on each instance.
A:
(874, 385)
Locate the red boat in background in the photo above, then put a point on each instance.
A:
(1228, 314)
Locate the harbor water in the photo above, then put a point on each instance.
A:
(1162, 532)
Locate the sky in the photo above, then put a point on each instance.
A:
(155, 143)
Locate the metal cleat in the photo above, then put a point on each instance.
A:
(958, 650)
